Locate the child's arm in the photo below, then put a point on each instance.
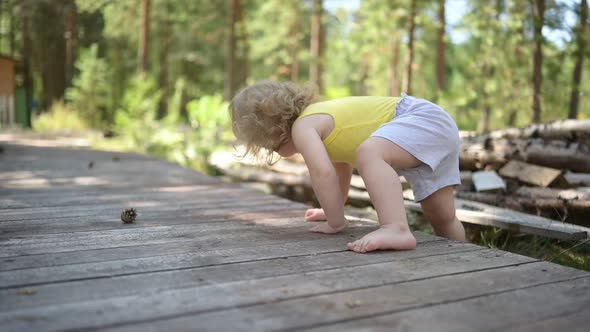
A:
(344, 173)
(325, 181)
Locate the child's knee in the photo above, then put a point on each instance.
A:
(442, 220)
(441, 217)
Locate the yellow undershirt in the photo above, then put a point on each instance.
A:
(355, 119)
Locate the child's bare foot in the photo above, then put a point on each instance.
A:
(384, 238)
(315, 215)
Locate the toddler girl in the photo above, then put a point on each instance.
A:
(383, 137)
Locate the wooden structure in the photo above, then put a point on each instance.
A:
(207, 255)
(7, 91)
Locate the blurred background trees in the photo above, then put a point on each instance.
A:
(490, 64)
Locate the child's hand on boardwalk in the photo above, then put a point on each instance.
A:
(315, 215)
(327, 229)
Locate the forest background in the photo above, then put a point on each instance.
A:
(158, 73)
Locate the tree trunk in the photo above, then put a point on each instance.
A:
(12, 30)
(70, 36)
(410, 50)
(230, 58)
(520, 61)
(441, 71)
(26, 55)
(539, 21)
(393, 64)
(294, 35)
(163, 60)
(242, 50)
(577, 75)
(235, 60)
(48, 48)
(489, 70)
(315, 69)
(144, 42)
(484, 125)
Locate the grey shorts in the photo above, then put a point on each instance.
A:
(428, 133)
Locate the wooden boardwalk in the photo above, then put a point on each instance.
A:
(206, 255)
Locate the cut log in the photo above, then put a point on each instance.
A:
(485, 152)
(483, 214)
(532, 174)
(577, 179)
(545, 202)
(565, 129)
(488, 181)
(582, 193)
(475, 156)
(572, 158)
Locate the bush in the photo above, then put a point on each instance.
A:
(189, 144)
(90, 92)
(59, 118)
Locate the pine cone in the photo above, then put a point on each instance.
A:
(128, 216)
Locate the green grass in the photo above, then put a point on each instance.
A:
(569, 253)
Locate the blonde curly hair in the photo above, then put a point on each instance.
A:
(262, 115)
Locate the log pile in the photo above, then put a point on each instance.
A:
(534, 180)
(545, 168)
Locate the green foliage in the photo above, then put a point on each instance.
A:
(277, 39)
(172, 138)
(337, 92)
(90, 93)
(210, 127)
(59, 119)
(570, 253)
(140, 103)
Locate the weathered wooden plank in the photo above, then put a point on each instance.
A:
(79, 198)
(88, 240)
(50, 182)
(488, 181)
(111, 180)
(546, 307)
(101, 288)
(174, 246)
(483, 214)
(532, 174)
(150, 217)
(566, 318)
(244, 249)
(75, 199)
(330, 304)
(114, 209)
(268, 300)
(218, 239)
(58, 192)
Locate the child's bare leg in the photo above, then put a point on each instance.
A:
(439, 210)
(376, 160)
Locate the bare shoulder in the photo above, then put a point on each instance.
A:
(323, 124)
